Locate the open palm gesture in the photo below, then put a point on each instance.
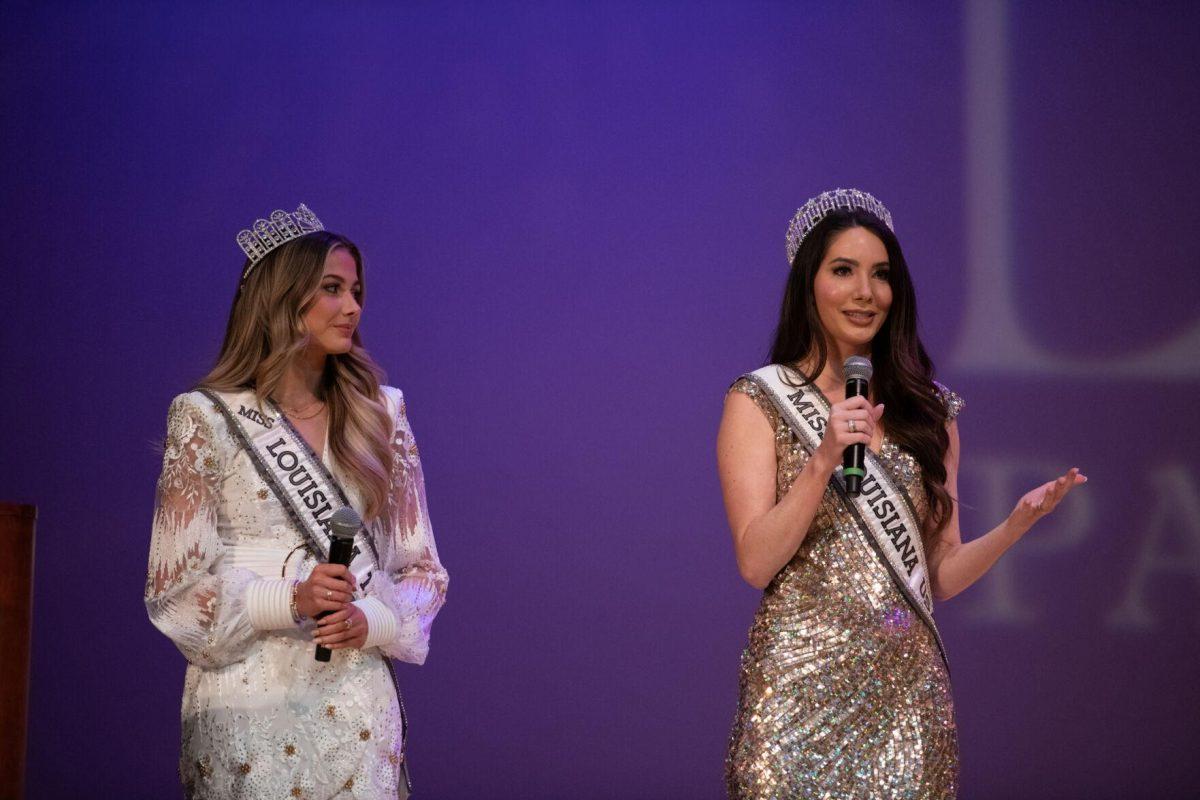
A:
(1039, 502)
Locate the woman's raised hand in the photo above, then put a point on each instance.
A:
(328, 588)
(1042, 500)
(851, 421)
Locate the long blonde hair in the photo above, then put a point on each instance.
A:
(265, 333)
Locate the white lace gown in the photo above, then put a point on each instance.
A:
(261, 717)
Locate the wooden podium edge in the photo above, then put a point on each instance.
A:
(22, 510)
(18, 524)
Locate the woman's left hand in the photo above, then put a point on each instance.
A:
(1042, 500)
(342, 629)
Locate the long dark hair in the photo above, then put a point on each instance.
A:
(903, 372)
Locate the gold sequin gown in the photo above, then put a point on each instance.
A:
(843, 691)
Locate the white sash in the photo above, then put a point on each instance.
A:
(300, 481)
(883, 510)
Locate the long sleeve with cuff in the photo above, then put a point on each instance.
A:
(212, 610)
(407, 594)
(204, 613)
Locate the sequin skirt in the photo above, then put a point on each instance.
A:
(841, 698)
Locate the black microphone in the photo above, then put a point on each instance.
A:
(343, 526)
(858, 373)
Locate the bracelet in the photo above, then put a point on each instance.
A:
(297, 617)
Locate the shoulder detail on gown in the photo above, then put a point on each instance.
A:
(393, 398)
(752, 390)
(197, 400)
(951, 399)
(745, 386)
(192, 418)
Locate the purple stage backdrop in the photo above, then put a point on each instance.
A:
(573, 218)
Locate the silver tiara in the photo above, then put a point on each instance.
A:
(267, 234)
(819, 207)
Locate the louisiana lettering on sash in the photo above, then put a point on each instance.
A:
(883, 510)
(283, 459)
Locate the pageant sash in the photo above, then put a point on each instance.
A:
(883, 510)
(298, 478)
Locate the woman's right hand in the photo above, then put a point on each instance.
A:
(838, 435)
(328, 588)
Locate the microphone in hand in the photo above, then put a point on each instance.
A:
(857, 370)
(343, 526)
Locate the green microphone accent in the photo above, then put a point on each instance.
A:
(862, 473)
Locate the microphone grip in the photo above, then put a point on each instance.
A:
(341, 551)
(854, 456)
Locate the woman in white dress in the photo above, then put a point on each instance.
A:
(237, 576)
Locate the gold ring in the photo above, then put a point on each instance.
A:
(347, 624)
(328, 593)
(851, 426)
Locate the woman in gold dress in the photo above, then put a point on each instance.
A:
(844, 688)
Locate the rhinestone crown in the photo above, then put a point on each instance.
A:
(267, 234)
(817, 208)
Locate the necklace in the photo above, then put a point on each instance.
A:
(298, 413)
(316, 413)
